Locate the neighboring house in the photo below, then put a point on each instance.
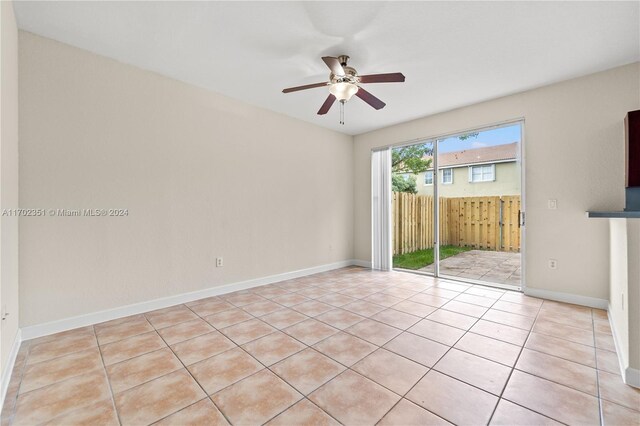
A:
(493, 170)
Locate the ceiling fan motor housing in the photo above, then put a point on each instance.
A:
(350, 76)
(350, 73)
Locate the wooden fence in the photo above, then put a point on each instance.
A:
(489, 223)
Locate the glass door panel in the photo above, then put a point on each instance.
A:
(479, 191)
(413, 213)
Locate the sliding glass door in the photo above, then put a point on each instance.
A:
(456, 206)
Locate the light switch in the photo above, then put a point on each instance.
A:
(553, 204)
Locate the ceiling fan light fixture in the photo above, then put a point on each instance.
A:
(343, 91)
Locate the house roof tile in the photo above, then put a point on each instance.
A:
(479, 155)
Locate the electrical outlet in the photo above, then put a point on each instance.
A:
(553, 204)
(219, 262)
(553, 264)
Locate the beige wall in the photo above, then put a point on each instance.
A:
(201, 174)
(8, 178)
(574, 152)
(507, 183)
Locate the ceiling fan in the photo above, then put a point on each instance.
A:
(344, 82)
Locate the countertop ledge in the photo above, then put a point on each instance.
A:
(620, 214)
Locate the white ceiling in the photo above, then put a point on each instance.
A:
(452, 53)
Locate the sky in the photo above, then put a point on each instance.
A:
(500, 136)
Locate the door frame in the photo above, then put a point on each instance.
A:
(518, 120)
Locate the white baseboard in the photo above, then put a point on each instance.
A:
(616, 342)
(363, 263)
(632, 377)
(8, 368)
(39, 330)
(575, 299)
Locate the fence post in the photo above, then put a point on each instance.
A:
(501, 224)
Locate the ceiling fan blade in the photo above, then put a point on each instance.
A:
(334, 65)
(326, 105)
(370, 99)
(394, 77)
(308, 86)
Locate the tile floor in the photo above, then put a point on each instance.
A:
(351, 346)
(482, 265)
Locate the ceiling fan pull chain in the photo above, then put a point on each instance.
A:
(342, 112)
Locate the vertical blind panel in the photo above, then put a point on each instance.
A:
(381, 209)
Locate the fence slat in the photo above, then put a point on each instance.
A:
(464, 221)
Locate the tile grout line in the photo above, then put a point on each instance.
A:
(106, 375)
(389, 307)
(296, 339)
(506, 383)
(431, 369)
(595, 354)
(14, 405)
(347, 368)
(265, 368)
(73, 377)
(184, 408)
(512, 367)
(544, 378)
(155, 330)
(99, 348)
(191, 374)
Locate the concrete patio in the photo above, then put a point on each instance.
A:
(483, 265)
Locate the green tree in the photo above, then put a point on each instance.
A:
(411, 159)
(416, 158)
(403, 183)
